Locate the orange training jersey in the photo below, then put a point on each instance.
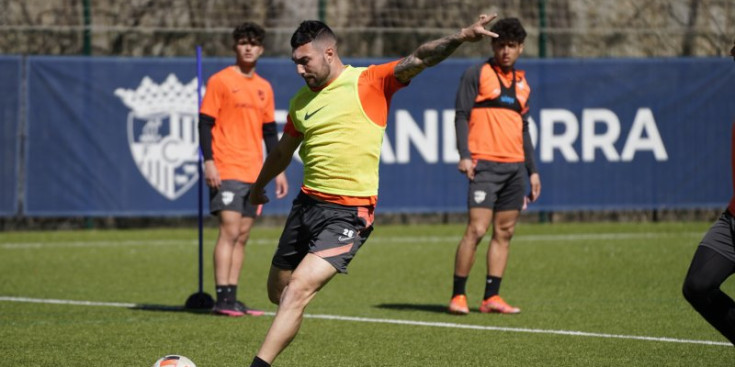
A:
(342, 125)
(240, 105)
(496, 114)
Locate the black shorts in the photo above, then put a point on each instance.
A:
(233, 196)
(331, 231)
(497, 186)
(720, 236)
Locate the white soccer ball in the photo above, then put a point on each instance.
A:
(174, 361)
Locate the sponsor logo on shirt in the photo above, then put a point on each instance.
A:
(507, 99)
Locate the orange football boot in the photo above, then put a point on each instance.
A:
(496, 304)
(458, 305)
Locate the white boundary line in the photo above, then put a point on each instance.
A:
(374, 240)
(400, 322)
(515, 330)
(66, 302)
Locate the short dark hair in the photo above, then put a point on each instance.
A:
(309, 31)
(509, 29)
(249, 31)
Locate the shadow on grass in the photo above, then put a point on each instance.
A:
(414, 307)
(198, 303)
(170, 308)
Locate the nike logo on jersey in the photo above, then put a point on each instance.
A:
(308, 115)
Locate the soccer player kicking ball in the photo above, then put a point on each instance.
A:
(339, 119)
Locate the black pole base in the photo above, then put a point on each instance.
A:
(200, 301)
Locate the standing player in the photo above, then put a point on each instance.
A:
(495, 153)
(338, 118)
(713, 263)
(237, 115)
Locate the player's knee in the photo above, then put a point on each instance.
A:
(244, 230)
(694, 291)
(274, 295)
(242, 239)
(229, 235)
(509, 230)
(504, 232)
(295, 296)
(476, 230)
(275, 291)
(278, 279)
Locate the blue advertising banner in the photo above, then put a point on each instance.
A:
(609, 134)
(628, 134)
(117, 136)
(91, 137)
(10, 92)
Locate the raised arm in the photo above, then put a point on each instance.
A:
(433, 52)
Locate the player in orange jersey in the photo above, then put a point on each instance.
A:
(338, 118)
(236, 116)
(712, 264)
(495, 154)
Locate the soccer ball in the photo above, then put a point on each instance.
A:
(174, 361)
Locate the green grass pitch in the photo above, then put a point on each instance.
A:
(606, 294)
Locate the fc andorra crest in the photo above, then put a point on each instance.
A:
(162, 133)
(480, 196)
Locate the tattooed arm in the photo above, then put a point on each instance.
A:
(433, 52)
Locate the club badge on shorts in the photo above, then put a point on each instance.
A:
(227, 197)
(480, 196)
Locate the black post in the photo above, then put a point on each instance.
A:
(87, 33)
(542, 29)
(200, 300)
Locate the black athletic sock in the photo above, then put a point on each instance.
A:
(257, 362)
(459, 285)
(492, 286)
(222, 293)
(233, 292)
